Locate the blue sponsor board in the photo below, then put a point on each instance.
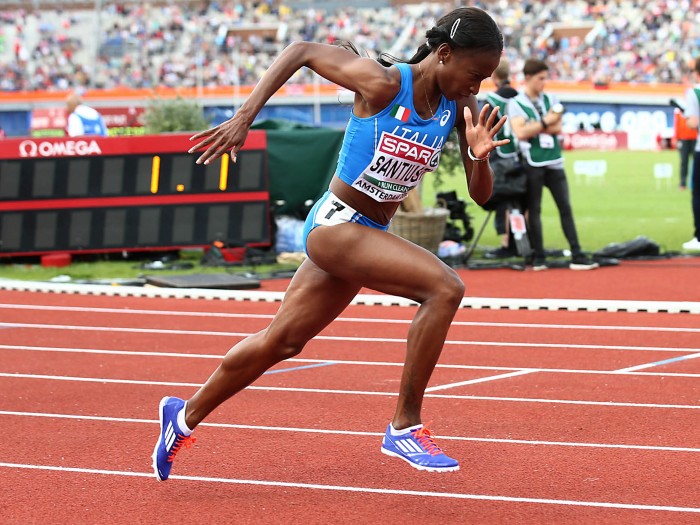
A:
(579, 116)
(635, 119)
(616, 117)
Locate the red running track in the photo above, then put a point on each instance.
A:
(556, 417)
(633, 280)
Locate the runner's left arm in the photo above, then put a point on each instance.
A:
(476, 131)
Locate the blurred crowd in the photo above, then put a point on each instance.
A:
(144, 45)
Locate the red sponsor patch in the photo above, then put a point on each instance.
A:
(405, 149)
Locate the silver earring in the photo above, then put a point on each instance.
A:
(441, 62)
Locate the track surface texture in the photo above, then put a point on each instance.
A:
(557, 413)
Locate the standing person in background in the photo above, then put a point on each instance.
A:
(686, 137)
(536, 119)
(402, 115)
(82, 119)
(692, 114)
(503, 158)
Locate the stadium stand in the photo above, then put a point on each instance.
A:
(50, 45)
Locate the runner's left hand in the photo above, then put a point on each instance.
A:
(227, 137)
(481, 137)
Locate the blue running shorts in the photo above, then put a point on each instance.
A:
(329, 211)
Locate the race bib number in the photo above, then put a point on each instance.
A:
(546, 141)
(332, 212)
(398, 166)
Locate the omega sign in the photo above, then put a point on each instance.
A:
(68, 148)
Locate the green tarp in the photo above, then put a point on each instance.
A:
(302, 161)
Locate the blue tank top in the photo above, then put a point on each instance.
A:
(386, 155)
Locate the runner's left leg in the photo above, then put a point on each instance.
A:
(314, 299)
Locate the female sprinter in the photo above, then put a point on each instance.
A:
(402, 115)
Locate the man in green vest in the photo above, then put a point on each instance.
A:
(536, 120)
(504, 160)
(692, 114)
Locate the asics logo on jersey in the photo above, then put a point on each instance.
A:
(445, 117)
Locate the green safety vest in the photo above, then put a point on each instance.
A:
(538, 155)
(506, 132)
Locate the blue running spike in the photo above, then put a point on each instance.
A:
(172, 437)
(417, 447)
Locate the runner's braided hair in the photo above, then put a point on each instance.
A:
(464, 28)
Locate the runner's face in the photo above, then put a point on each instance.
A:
(464, 71)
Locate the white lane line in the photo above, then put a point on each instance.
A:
(136, 353)
(660, 363)
(367, 490)
(347, 392)
(528, 442)
(24, 348)
(229, 315)
(479, 380)
(342, 338)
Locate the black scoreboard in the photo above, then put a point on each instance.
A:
(92, 195)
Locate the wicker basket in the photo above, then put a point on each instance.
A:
(426, 228)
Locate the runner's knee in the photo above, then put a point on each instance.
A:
(456, 290)
(449, 289)
(283, 346)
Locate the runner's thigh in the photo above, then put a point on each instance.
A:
(381, 261)
(313, 299)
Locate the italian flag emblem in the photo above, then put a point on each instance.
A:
(400, 113)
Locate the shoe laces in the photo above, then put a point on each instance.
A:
(181, 441)
(426, 439)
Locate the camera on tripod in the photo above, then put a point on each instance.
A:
(458, 212)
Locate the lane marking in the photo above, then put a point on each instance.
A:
(480, 380)
(108, 419)
(73, 328)
(296, 368)
(346, 392)
(368, 490)
(662, 362)
(501, 303)
(135, 353)
(24, 348)
(189, 313)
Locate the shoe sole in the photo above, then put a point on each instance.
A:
(419, 467)
(540, 268)
(155, 449)
(581, 267)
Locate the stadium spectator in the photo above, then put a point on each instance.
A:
(503, 160)
(82, 119)
(536, 119)
(692, 112)
(145, 45)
